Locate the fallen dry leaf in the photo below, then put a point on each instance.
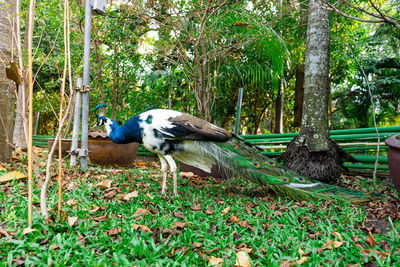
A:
(197, 244)
(3, 232)
(16, 159)
(338, 236)
(72, 220)
(94, 209)
(226, 210)
(104, 184)
(99, 218)
(278, 213)
(209, 210)
(81, 239)
(71, 202)
(215, 261)
(244, 223)
(314, 235)
(149, 196)
(380, 254)
(28, 230)
(285, 263)
(242, 259)
(114, 231)
(131, 195)
(178, 225)
(186, 174)
(248, 250)
(110, 194)
(71, 186)
(235, 219)
(142, 227)
(236, 236)
(195, 207)
(302, 260)
(18, 262)
(179, 214)
(141, 211)
(14, 175)
(332, 244)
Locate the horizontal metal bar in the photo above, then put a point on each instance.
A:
(371, 159)
(392, 129)
(366, 166)
(356, 137)
(365, 148)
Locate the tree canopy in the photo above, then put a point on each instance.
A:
(196, 55)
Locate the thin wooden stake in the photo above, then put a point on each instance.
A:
(43, 192)
(60, 125)
(30, 120)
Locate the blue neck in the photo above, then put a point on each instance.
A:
(127, 133)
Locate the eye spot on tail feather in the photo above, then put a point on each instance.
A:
(285, 180)
(255, 164)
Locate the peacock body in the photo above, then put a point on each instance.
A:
(193, 141)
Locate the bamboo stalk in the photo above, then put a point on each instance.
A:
(43, 192)
(30, 120)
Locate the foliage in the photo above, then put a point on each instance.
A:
(254, 44)
(353, 102)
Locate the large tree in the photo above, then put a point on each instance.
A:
(312, 153)
(20, 134)
(7, 94)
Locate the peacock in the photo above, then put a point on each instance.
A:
(174, 135)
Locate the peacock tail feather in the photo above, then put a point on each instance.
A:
(237, 158)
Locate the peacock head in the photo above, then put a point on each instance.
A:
(108, 123)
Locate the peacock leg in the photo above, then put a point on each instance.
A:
(164, 170)
(173, 169)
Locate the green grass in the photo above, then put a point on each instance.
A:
(273, 229)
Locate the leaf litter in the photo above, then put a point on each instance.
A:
(366, 244)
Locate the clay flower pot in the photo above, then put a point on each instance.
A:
(104, 152)
(65, 146)
(393, 143)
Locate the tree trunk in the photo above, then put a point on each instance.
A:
(260, 118)
(7, 95)
(230, 110)
(316, 91)
(312, 153)
(279, 109)
(279, 97)
(299, 95)
(20, 135)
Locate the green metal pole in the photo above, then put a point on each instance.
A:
(239, 110)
